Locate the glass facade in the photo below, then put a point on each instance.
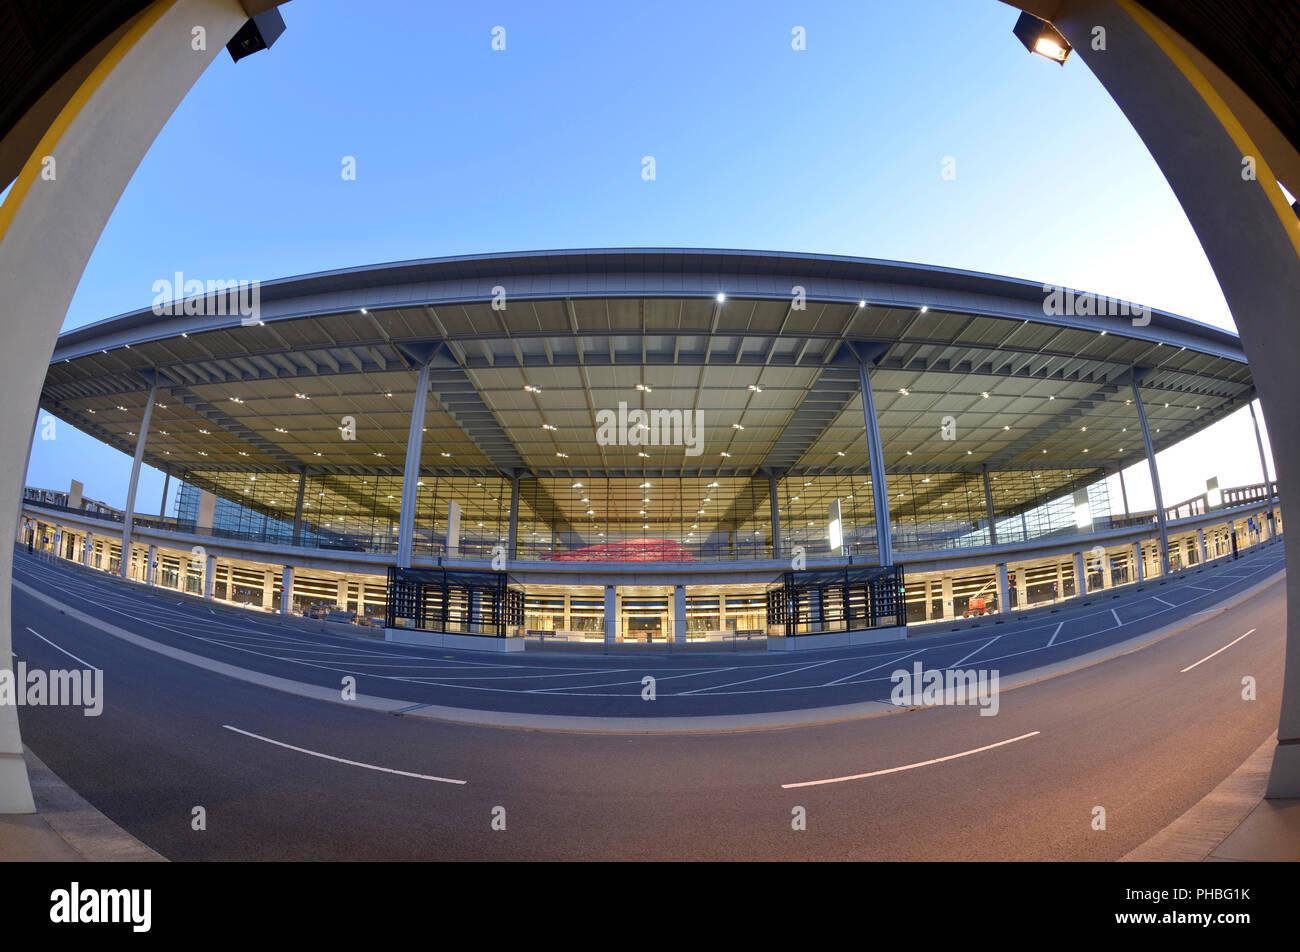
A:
(659, 519)
(639, 519)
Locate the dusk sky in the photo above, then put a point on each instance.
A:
(837, 148)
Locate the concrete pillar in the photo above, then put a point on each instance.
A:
(88, 549)
(411, 472)
(611, 614)
(1022, 586)
(342, 599)
(1004, 600)
(1200, 545)
(209, 576)
(286, 590)
(1107, 579)
(1136, 558)
(946, 583)
(140, 439)
(928, 597)
(1080, 575)
(876, 459)
(151, 566)
(268, 588)
(568, 613)
(679, 614)
(1060, 580)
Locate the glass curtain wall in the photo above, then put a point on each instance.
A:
(650, 518)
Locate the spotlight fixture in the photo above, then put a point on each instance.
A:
(1039, 36)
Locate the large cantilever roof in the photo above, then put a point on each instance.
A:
(585, 328)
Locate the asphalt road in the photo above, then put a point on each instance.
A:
(1137, 735)
(610, 685)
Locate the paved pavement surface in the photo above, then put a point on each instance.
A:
(1144, 736)
(588, 683)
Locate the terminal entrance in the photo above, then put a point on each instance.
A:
(645, 614)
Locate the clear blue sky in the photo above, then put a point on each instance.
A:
(837, 148)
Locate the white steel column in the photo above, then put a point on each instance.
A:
(1155, 476)
(1263, 466)
(876, 459)
(411, 472)
(135, 475)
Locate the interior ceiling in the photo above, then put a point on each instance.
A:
(519, 391)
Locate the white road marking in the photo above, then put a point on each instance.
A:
(874, 667)
(350, 763)
(1209, 656)
(1163, 602)
(924, 763)
(776, 674)
(975, 652)
(1202, 588)
(1054, 634)
(57, 648)
(1118, 623)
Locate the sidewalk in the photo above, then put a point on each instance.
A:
(1232, 823)
(65, 827)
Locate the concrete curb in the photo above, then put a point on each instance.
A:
(66, 828)
(777, 720)
(1198, 832)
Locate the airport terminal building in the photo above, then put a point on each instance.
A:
(647, 445)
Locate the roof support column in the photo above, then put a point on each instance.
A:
(1155, 476)
(1263, 465)
(876, 459)
(135, 478)
(774, 503)
(1123, 490)
(988, 505)
(297, 506)
(411, 474)
(512, 536)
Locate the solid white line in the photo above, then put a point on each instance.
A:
(351, 763)
(1054, 634)
(1118, 623)
(1202, 587)
(1209, 656)
(924, 763)
(975, 652)
(57, 648)
(1163, 602)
